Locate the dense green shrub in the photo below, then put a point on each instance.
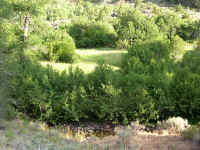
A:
(143, 54)
(148, 67)
(61, 47)
(185, 92)
(172, 25)
(103, 95)
(168, 24)
(147, 89)
(135, 92)
(189, 30)
(185, 87)
(13, 38)
(177, 45)
(95, 34)
(191, 60)
(67, 97)
(47, 95)
(133, 26)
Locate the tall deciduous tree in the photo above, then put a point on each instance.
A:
(26, 10)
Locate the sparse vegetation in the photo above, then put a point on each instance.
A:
(192, 133)
(177, 124)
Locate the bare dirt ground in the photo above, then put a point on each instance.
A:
(168, 142)
(149, 141)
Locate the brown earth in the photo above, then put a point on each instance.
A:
(147, 141)
(168, 142)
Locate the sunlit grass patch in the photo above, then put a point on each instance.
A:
(89, 58)
(110, 57)
(86, 67)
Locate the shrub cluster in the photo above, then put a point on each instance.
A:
(134, 26)
(149, 86)
(189, 30)
(91, 25)
(168, 24)
(185, 86)
(61, 47)
(148, 69)
(67, 97)
(94, 34)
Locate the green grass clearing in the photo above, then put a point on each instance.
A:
(89, 58)
(110, 57)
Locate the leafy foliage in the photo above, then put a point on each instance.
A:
(149, 86)
(96, 34)
(61, 47)
(185, 87)
(190, 30)
(148, 67)
(133, 26)
(168, 24)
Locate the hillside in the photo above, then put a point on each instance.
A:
(99, 74)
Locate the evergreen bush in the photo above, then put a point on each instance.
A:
(148, 67)
(133, 26)
(185, 87)
(95, 34)
(61, 47)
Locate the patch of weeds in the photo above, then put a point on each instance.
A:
(9, 134)
(192, 133)
(172, 147)
(176, 124)
(124, 139)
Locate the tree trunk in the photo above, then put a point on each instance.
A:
(26, 27)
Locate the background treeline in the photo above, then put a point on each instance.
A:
(156, 80)
(191, 3)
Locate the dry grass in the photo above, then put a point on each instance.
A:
(24, 135)
(174, 124)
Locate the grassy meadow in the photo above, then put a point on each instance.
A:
(89, 58)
